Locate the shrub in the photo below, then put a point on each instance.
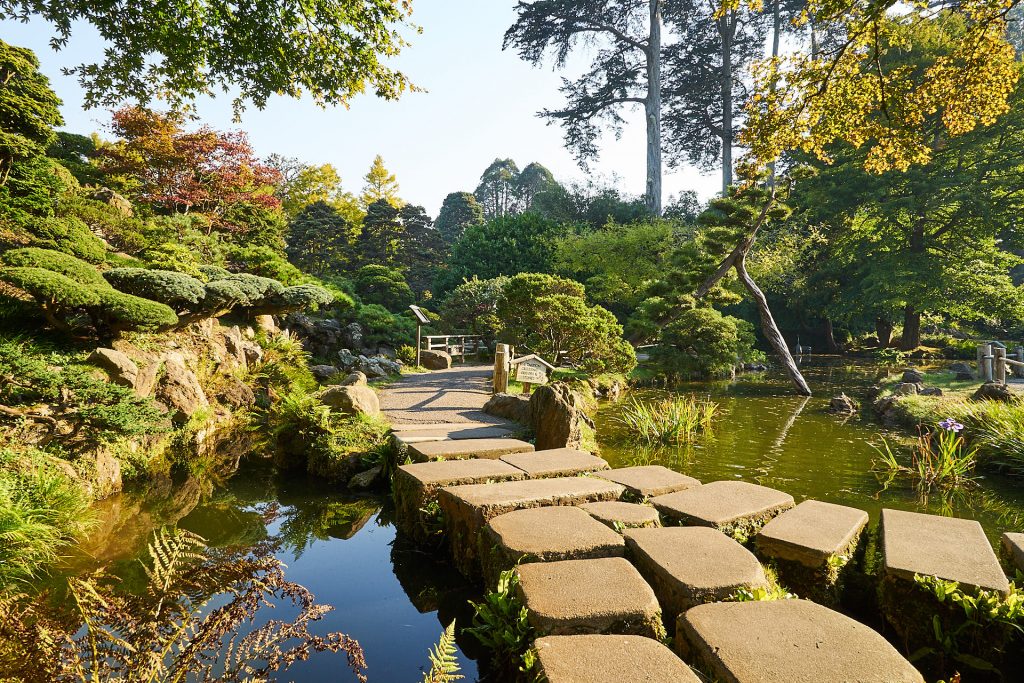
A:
(265, 262)
(177, 290)
(255, 289)
(170, 256)
(71, 236)
(120, 311)
(381, 326)
(701, 343)
(213, 272)
(53, 291)
(220, 295)
(472, 307)
(385, 286)
(58, 262)
(305, 296)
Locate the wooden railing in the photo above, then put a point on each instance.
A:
(994, 363)
(455, 345)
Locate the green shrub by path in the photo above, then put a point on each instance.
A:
(702, 344)
(177, 290)
(42, 510)
(69, 235)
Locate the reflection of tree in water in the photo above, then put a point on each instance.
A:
(320, 520)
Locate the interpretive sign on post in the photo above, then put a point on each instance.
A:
(531, 370)
(421, 320)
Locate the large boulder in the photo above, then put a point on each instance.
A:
(510, 407)
(121, 369)
(994, 391)
(236, 394)
(113, 200)
(179, 389)
(267, 325)
(352, 335)
(906, 389)
(962, 369)
(354, 379)
(234, 345)
(351, 400)
(323, 373)
(558, 416)
(435, 360)
(347, 360)
(912, 376)
(842, 405)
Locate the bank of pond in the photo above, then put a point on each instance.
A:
(395, 596)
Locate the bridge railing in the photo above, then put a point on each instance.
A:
(994, 363)
(455, 345)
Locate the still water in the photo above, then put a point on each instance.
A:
(394, 599)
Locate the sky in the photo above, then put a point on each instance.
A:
(481, 104)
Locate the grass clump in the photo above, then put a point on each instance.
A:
(939, 459)
(669, 421)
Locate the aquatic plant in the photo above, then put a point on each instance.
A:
(500, 623)
(997, 431)
(199, 619)
(668, 421)
(938, 458)
(444, 666)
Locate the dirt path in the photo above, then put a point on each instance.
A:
(442, 396)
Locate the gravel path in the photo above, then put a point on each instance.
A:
(442, 396)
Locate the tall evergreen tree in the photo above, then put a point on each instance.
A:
(381, 185)
(29, 109)
(498, 191)
(459, 211)
(320, 240)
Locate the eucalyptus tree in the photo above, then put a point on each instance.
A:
(623, 38)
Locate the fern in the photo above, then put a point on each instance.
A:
(444, 666)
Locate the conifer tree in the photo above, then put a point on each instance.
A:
(381, 185)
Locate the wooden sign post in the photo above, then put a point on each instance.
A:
(421, 320)
(532, 370)
(501, 364)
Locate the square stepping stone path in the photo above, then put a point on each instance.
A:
(573, 597)
(544, 534)
(1013, 550)
(467, 508)
(813, 545)
(646, 481)
(787, 641)
(604, 658)
(929, 545)
(688, 566)
(556, 462)
(620, 516)
(461, 449)
(415, 489)
(737, 508)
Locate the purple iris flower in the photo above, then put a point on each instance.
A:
(951, 425)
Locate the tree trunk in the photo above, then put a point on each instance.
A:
(776, 34)
(911, 329)
(883, 330)
(830, 338)
(770, 329)
(652, 112)
(726, 26)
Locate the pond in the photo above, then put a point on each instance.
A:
(394, 598)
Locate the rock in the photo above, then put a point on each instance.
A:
(842, 405)
(618, 515)
(353, 379)
(931, 391)
(323, 373)
(234, 344)
(236, 394)
(371, 368)
(560, 462)
(387, 352)
(353, 336)
(1013, 546)
(435, 360)
(964, 376)
(350, 400)
(645, 481)
(145, 382)
(786, 641)
(730, 506)
(509, 406)
(605, 595)
(180, 390)
(451, 432)
(333, 467)
(113, 200)
(121, 369)
(906, 389)
(466, 448)
(267, 325)
(347, 359)
(755, 367)
(367, 479)
(558, 417)
(962, 369)
(994, 391)
(600, 659)
(912, 376)
(253, 353)
(388, 365)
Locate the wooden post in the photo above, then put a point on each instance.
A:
(419, 342)
(981, 360)
(999, 358)
(986, 363)
(527, 387)
(502, 356)
(1018, 354)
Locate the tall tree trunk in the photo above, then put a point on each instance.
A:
(652, 111)
(911, 328)
(883, 330)
(726, 26)
(776, 35)
(770, 329)
(830, 337)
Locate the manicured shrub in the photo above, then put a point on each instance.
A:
(305, 296)
(220, 295)
(377, 284)
(213, 272)
(122, 311)
(58, 262)
(51, 290)
(174, 257)
(702, 343)
(381, 326)
(71, 236)
(177, 290)
(255, 289)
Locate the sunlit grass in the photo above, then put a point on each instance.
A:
(668, 421)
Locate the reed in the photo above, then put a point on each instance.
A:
(669, 421)
(939, 459)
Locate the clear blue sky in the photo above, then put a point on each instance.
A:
(481, 104)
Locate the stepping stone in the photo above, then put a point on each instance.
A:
(466, 448)
(788, 641)
(812, 545)
(465, 432)
(544, 534)
(947, 547)
(600, 659)
(415, 488)
(737, 508)
(1013, 547)
(467, 508)
(589, 596)
(620, 516)
(649, 480)
(689, 566)
(556, 462)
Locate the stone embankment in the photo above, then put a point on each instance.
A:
(607, 558)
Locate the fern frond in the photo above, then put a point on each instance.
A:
(444, 665)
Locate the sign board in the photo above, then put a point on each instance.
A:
(421, 317)
(532, 371)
